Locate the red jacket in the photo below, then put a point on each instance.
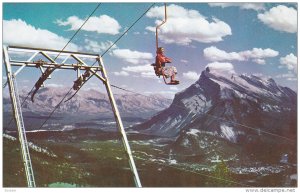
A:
(162, 59)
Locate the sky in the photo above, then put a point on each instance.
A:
(252, 38)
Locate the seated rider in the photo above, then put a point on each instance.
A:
(160, 62)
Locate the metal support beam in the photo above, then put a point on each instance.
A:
(49, 51)
(103, 79)
(21, 68)
(46, 65)
(19, 120)
(120, 126)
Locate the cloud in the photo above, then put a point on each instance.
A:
(184, 26)
(257, 54)
(221, 67)
(214, 54)
(254, 6)
(289, 61)
(191, 75)
(280, 18)
(133, 57)
(19, 33)
(138, 69)
(122, 73)
(259, 61)
(103, 24)
(145, 71)
(97, 47)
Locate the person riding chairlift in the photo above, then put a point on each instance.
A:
(161, 60)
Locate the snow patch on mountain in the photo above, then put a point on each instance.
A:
(196, 103)
(193, 132)
(228, 133)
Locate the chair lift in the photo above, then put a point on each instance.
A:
(45, 75)
(158, 71)
(80, 81)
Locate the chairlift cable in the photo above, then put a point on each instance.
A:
(127, 30)
(78, 30)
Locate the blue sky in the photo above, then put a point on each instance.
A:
(258, 38)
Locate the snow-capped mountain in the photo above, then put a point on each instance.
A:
(219, 111)
(89, 102)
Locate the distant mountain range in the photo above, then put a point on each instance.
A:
(229, 115)
(89, 102)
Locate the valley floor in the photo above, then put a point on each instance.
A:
(103, 163)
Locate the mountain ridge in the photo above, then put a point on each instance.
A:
(228, 113)
(89, 102)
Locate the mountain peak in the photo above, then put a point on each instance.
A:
(225, 94)
(244, 85)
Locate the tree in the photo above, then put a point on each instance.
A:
(221, 176)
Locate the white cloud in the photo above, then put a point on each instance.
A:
(191, 75)
(133, 57)
(280, 18)
(19, 33)
(145, 71)
(260, 53)
(290, 61)
(221, 67)
(257, 54)
(259, 61)
(122, 73)
(214, 54)
(254, 6)
(138, 69)
(102, 24)
(185, 26)
(97, 47)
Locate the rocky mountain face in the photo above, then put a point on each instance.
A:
(229, 116)
(89, 102)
